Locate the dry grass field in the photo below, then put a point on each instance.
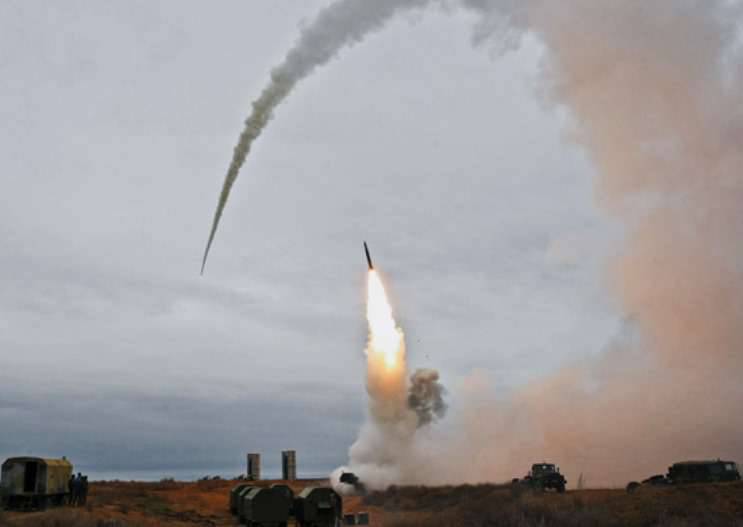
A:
(176, 504)
(139, 504)
(498, 505)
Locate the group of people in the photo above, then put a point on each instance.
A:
(78, 489)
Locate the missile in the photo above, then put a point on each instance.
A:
(368, 258)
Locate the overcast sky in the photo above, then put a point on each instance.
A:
(119, 120)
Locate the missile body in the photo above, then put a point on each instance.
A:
(368, 258)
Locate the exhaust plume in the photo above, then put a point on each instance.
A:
(343, 23)
(426, 396)
(384, 452)
(654, 89)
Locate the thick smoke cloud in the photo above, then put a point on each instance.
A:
(654, 89)
(341, 24)
(426, 396)
(654, 94)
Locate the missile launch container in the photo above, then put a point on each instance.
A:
(288, 492)
(234, 493)
(318, 507)
(34, 482)
(266, 507)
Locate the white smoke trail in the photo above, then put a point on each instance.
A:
(343, 23)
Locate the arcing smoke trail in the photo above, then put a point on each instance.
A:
(341, 24)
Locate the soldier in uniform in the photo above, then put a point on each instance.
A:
(71, 490)
(83, 490)
(76, 487)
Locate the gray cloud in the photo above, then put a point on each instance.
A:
(445, 161)
(109, 430)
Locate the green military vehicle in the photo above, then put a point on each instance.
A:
(691, 472)
(703, 472)
(543, 476)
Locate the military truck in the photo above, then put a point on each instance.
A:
(543, 476)
(703, 472)
(34, 482)
(691, 472)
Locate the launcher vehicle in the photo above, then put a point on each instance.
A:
(543, 476)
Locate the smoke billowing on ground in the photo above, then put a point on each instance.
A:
(653, 92)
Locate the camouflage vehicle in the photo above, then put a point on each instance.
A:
(34, 482)
(543, 476)
(691, 472)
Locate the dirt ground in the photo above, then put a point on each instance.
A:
(167, 503)
(176, 504)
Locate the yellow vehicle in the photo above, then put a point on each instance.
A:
(34, 482)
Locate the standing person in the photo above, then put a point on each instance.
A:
(76, 487)
(84, 490)
(71, 490)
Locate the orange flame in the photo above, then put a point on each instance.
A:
(385, 338)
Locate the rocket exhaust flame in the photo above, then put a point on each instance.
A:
(386, 348)
(384, 336)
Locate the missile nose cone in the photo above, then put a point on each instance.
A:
(368, 257)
